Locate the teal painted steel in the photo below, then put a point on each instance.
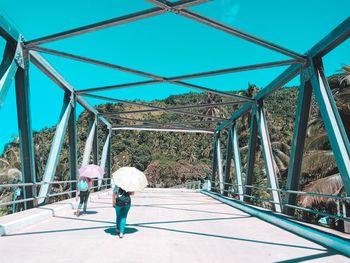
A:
(332, 121)
(244, 109)
(95, 146)
(270, 165)
(253, 138)
(8, 30)
(320, 237)
(219, 163)
(337, 36)
(298, 142)
(214, 161)
(72, 138)
(8, 70)
(56, 146)
(237, 161)
(25, 129)
(227, 177)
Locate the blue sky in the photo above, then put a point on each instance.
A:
(166, 45)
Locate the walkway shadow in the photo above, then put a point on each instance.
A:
(90, 212)
(128, 230)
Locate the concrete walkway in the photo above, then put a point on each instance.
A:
(164, 225)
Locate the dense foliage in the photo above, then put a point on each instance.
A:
(171, 159)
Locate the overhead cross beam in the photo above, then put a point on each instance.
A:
(111, 22)
(163, 124)
(156, 78)
(154, 107)
(228, 29)
(152, 128)
(173, 108)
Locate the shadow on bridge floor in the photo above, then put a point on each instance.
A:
(128, 230)
(131, 229)
(311, 257)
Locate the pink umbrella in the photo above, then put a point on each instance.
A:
(91, 171)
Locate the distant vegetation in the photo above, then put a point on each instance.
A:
(171, 159)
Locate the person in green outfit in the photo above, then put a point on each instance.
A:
(121, 201)
(83, 190)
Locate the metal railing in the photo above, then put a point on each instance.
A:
(216, 186)
(105, 185)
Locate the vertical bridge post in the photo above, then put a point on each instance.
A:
(25, 128)
(253, 136)
(72, 139)
(332, 121)
(298, 141)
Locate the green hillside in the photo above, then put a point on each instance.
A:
(171, 159)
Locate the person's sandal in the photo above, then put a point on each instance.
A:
(121, 235)
(117, 231)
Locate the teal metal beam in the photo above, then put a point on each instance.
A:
(253, 138)
(109, 23)
(244, 109)
(54, 155)
(268, 156)
(95, 146)
(72, 141)
(109, 157)
(8, 30)
(104, 155)
(214, 162)
(298, 141)
(332, 121)
(329, 240)
(25, 129)
(237, 160)
(278, 82)
(332, 40)
(220, 168)
(227, 178)
(8, 70)
(88, 144)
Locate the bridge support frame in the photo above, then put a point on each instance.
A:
(25, 129)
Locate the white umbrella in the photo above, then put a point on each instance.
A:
(130, 179)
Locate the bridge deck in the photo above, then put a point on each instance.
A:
(163, 226)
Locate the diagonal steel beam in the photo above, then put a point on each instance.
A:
(268, 156)
(174, 108)
(235, 69)
(228, 29)
(159, 79)
(153, 107)
(8, 69)
(298, 142)
(49, 71)
(93, 61)
(337, 36)
(332, 121)
(165, 124)
(56, 146)
(108, 23)
(182, 130)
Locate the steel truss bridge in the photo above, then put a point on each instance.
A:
(19, 52)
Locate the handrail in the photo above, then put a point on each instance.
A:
(338, 198)
(23, 185)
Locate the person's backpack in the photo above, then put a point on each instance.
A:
(123, 198)
(83, 185)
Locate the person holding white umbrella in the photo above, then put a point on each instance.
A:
(127, 180)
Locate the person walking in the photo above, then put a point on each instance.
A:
(121, 201)
(84, 186)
